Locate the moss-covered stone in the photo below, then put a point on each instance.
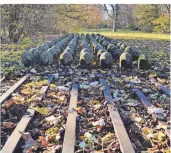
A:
(66, 58)
(86, 58)
(35, 56)
(134, 52)
(144, 62)
(128, 49)
(119, 44)
(46, 58)
(97, 48)
(99, 53)
(123, 46)
(69, 50)
(105, 60)
(111, 48)
(84, 50)
(26, 58)
(125, 60)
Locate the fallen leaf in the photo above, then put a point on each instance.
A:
(115, 93)
(52, 86)
(18, 99)
(82, 144)
(79, 110)
(90, 137)
(107, 137)
(97, 106)
(156, 110)
(63, 88)
(52, 94)
(42, 141)
(8, 125)
(42, 110)
(139, 120)
(50, 118)
(25, 135)
(84, 86)
(99, 122)
(57, 137)
(93, 84)
(152, 75)
(61, 98)
(10, 102)
(82, 137)
(52, 131)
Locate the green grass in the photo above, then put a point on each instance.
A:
(128, 34)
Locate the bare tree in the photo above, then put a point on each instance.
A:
(113, 11)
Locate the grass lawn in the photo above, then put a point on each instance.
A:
(127, 34)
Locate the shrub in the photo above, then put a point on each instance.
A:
(26, 41)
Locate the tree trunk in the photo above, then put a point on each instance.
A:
(114, 25)
(115, 19)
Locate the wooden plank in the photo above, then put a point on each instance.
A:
(148, 104)
(121, 133)
(2, 79)
(14, 138)
(160, 86)
(142, 97)
(13, 88)
(69, 139)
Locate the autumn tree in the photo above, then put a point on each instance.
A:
(94, 16)
(18, 21)
(112, 11)
(153, 18)
(73, 17)
(125, 17)
(12, 21)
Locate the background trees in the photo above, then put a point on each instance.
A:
(19, 21)
(147, 18)
(152, 18)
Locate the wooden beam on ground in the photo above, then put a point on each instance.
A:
(69, 139)
(148, 104)
(121, 133)
(15, 137)
(142, 97)
(160, 86)
(2, 79)
(13, 88)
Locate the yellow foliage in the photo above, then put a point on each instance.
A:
(52, 131)
(52, 86)
(107, 137)
(18, 99)
(43, 110)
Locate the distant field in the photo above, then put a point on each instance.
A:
(128, 34)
